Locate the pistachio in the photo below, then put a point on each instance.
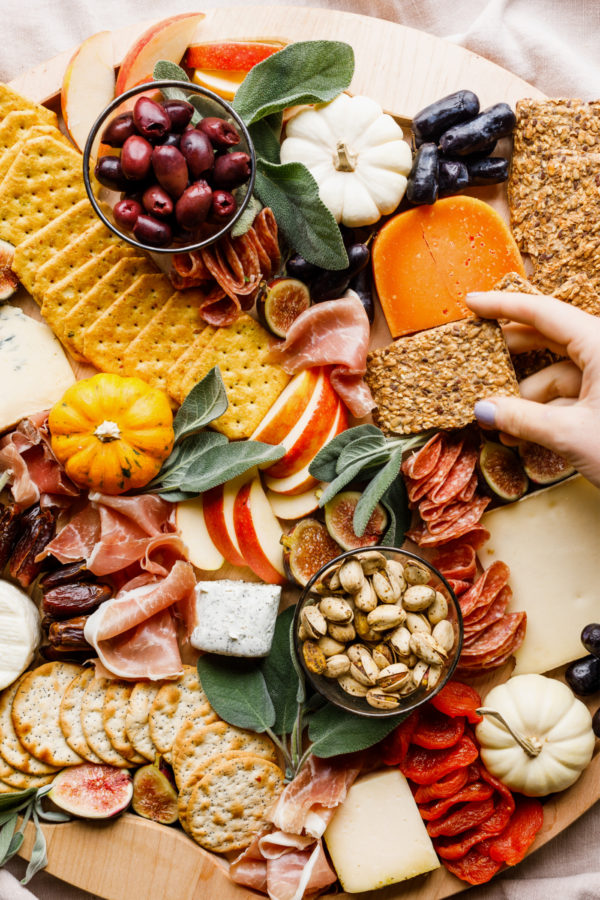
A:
(303, 633)
(427, 648)
(351, 686)
(371, 561)
(443, 633)
(380, 700)
(387, 587)
(331, 647)
(343, 633)
(334, 581)
(363, 629)
(337, 665)
(314, 657)
(314, 622)
(416, 622)
(433, 676)
(400, 640)
(384, 617)
(416, 574)
(334, 609)
(418, 597)
(383, 655)
(409, 687)
(362, 666)
(420, 675)
(393, 677)
(366, 598)
(438, 609)
(351, 576)
(394, 567)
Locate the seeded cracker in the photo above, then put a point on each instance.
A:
(11, 749)
(175, 701)
(93, 725)
(433, 379)
(137, 727)
(69, 716)
(114, 712)
(10, 101)
(9, 156)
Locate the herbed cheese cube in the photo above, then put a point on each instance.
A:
(235, 618)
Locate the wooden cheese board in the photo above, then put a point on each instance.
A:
(403, 70)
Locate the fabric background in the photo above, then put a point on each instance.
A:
(551, 43)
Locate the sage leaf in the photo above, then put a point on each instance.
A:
(324, 465)
(184, 458)
(15, 846)
(304, 220)
(334, 731)
(206, 401)
(247, 217)
(6, 836)
(362, 448)
(303, 72)
(395, 501)
(38, 855)
(165, 70)
(237, 692)
(280, 675)
(15, 800)
(374, 491)
(335, 486)
(175, 496)
(265, 136)
(222, 463)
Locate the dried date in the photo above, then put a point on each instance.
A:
(77, 598)
(39, 529)
(11, 526)
(69, 634)
(76, 571)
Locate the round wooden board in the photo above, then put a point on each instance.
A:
(403, 70)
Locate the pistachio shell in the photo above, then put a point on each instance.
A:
(342, 633)
(351, 686)
(314, 622)
(427, 648)
(331, 647)
(351, 576)
(362, 627)
(418, 597)
(337, 665)
(387, 587)
(314, 658)
(416, 622)
(335, 609)
(383, 655)
(400, 640)
(385, 617)
(393, 677)
(438, 609)
(416, 574)
(371, 561)
(366, 598)
(443, 633)
(378, 699)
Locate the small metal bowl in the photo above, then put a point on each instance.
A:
(213, 106)
(330, 689)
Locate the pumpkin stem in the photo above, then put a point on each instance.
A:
(532, 746)
(344, 160)
(108, 431)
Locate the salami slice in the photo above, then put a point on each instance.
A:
(460, 562)
(476, 867)
(468, 492)
(459, 587)
(469, 816)
(266, 230)
(493, 614)
(452, 513)
(419, 465)
(496, 639)
(218, 309)
(447, 786)
(486, 588)
(518, 836)
(448, 456)
(468, 522)
(458, 477)
(426, 766)
(478, 790)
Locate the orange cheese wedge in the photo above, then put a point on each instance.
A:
(427, 259)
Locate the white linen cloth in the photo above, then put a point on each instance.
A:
(551, 43)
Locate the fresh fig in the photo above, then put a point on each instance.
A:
(544, 466)
(8, 280)
(339, 514)
(91, 791)
(154, 797)
(502, 471)
(306, 549)
(281, 303)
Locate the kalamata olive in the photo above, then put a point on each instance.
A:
(583, 675)
(151, 119)
(590, 638)
(220, 132)
(136, 157)
(493, 123)
(149, 230)
(362, 285)
(596, 723)
(431, 122)
(423, 177)
(118, 130)
(171, 140)
(198, 152)
(194, 205)
(300, 268)
(223, 204)
(180, 112)
(492, 170)
(170, 169)
(109, 173)
(126, 212)
(231, 169)
(157, 202)
(452, 177)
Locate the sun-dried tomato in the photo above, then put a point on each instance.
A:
(445, 787)
(457, 699)
(395, 747)
(471, 792)
(518, 836)
(476, 867)
(426, 766)
(497, 822)
(437, 731)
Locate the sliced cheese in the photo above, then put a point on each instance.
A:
(19, 632)
(551, 541)
(34, 371)
(377, 836)
(234, 618)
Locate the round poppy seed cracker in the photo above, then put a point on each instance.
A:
(35, 713)
(20, 781)
(229, 804)
(11, 749)
(93, 726)
(137, 727)
(6, 788)
(114, 711)
(175, 701)
(69, 716)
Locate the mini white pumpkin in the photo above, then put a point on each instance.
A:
(536, 736)
(356, 154)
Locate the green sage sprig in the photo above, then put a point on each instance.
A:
(27, 804)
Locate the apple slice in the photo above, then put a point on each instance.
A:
(288, 408)
(167, 39)
(218, 514)
(88, 86)
(191, 524)
(230, 55)
(259, 533)
(303, 481)
(296, 506)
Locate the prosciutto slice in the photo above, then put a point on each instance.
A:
(335, 333)
(36, 475)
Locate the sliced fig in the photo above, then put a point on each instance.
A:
(154, 797)
(91, 791)
(502, 470)
(281, 303)
(8, 280)
(339, 515)
(542, 465)
(307, 548)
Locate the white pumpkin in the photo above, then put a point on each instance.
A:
(552, 740)
(356, 154)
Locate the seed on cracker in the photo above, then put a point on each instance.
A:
(93, 725)
(69, 716)
(114, 712)
(11, 749)
(174, 702)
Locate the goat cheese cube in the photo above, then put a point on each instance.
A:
(234, 618)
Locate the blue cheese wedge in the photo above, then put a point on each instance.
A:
(34, 371)
(19, 632)
(235, 618)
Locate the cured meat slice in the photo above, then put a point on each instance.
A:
(467, 527)
(436, 731)
(286, 866)
(493, 614)
(265, 227)
(496, 639)
(477, 790)
(459, 587)
(444, 788)
(476, 867)
(420, 464)
(486, 588)
(518, 836)
(36, 474)
(468, 492)
(469, 816)
(458, 477)
(450, 453)
(457, 699)
(150, 650)
(459, 563)
(426, 766)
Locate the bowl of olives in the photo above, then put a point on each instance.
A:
(169, 167)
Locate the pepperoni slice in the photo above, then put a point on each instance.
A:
(496, 611)
(478, 790)
(421, 464)
(468, 492)
(458, 477)
(445, 787)
(495, 640)
(460, 562)
(450, 453)
(518, 836)
(426, 766)
(486, 588)
(436, 731)
(467, 523)
(476, 867)
(468, 816)
(395, 746)
(457, 699)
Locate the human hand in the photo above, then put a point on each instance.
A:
(560, 405)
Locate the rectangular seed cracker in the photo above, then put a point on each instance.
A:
(14, 126)
(10, 101)
(9, 156)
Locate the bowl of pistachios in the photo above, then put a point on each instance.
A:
(378, 631)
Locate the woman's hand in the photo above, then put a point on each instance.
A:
(560, 405)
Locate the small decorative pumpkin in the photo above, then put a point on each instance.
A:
(111, 433)
(356, 155)
(536, 736)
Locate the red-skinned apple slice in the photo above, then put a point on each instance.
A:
(230, 55)
(191, 524)
(218, 515)
(303, 481)
(310, 431)
(287, 506)
(167, 39)
(88, 86)
(288, 408)
(259, 533)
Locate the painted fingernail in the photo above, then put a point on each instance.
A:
(485, 412)
(475, 295)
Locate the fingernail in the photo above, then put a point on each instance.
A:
(485, 412)
(475, 295)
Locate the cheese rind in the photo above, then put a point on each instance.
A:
(377, 836)
(234, 618)
(34, 371)
(19, 632)
(550, 541)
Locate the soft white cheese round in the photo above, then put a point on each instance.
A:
(20, 632)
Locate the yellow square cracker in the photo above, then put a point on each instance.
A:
(37, 249)
(44, 180)
(105, 342)
(98, 299)
(178, 375)
(10, 101)
(164, 339)
(16, 124)
(9, 156)
(253, 384)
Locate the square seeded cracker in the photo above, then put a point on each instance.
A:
(11, 100)
(35, 131)
(432, 379)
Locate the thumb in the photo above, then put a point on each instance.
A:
(524, 419)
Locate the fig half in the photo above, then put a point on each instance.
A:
(154, 797)
(306, 549)
(281, 303)
(92, 791)
(8, 280)
(544, 466)
(502, 471)
(339, 515)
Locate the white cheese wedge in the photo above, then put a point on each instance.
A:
(34, 371)
(377, 836)
(234, 618)
(551, 541)
(19, 632)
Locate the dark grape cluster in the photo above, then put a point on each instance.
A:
(583, 675)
